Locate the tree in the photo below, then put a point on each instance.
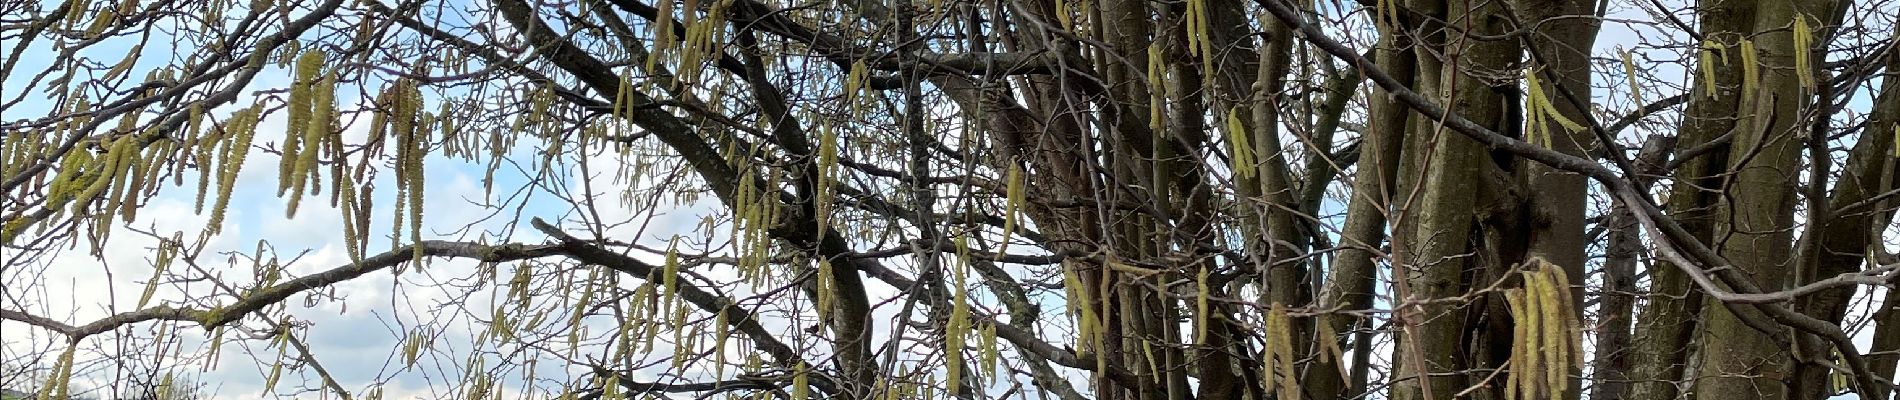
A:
(1113, 199)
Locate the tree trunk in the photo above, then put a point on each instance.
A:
(1460, 182)
(1757, 234)
(1667, 325)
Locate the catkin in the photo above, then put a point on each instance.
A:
(304, 81)
(1573, 328)
(1556, 349)
(1014, 194)
(955, 331)
(166, 251)
(669, 278)
(827, 168)
(1277, 355)
(1706, 62)
(720, 332)
(1751, 72)
(1200, 306)
(104, 174)
(321, 123)
(663, 37)
(1242, 148)
(1514, 384)
(61, 379)
(1629, 73)
(242, 126)
(1803, 45)
(1547, 333)
(800, 390)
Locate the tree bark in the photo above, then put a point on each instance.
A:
(1756, 234)
(1667, 325)
(1460, 181)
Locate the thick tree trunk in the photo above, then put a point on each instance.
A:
(1560, 47)
(1667, 324)
(1460, 182)
(1757, 233)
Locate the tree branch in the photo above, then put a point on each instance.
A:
(273, 294)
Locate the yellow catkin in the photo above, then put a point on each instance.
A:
(165, 386)
(106, 171)
(303, 81)
(242, 125)
(1242, 148)
(669, 278)
(14, 149)
(276, 372)
(396, 224)
(1329, 347)
(125, 64)
(1200, 306)
(1751, 72)
(1629, 73)
(1289, 382)
(1706, 62)
(76, 12)
(1803, 45)
(827, 170)
(412, 349)
(800, 390)
(71, 178)
(720, 333)
(404, 103)
(825, 292)
(1514, 384)
(1014, 196)
(957, 329)
(100, 23)
(61, 377)
(1548, 109)
(339, 168)
(1269, 352)
(853, 85)
(159, 153)
(166, 251)
(353, 233)
(1533, 340)
(1064, 15)
(1079, 300)
(1573, 328)
(580, 307)
(321, 123)
(1556, 346)
(1535, 128)
(130, 175)
(991, 353)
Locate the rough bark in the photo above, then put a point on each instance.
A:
(1559, 50)
(1668, 323)
(1460, 182)
(1756, 232)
